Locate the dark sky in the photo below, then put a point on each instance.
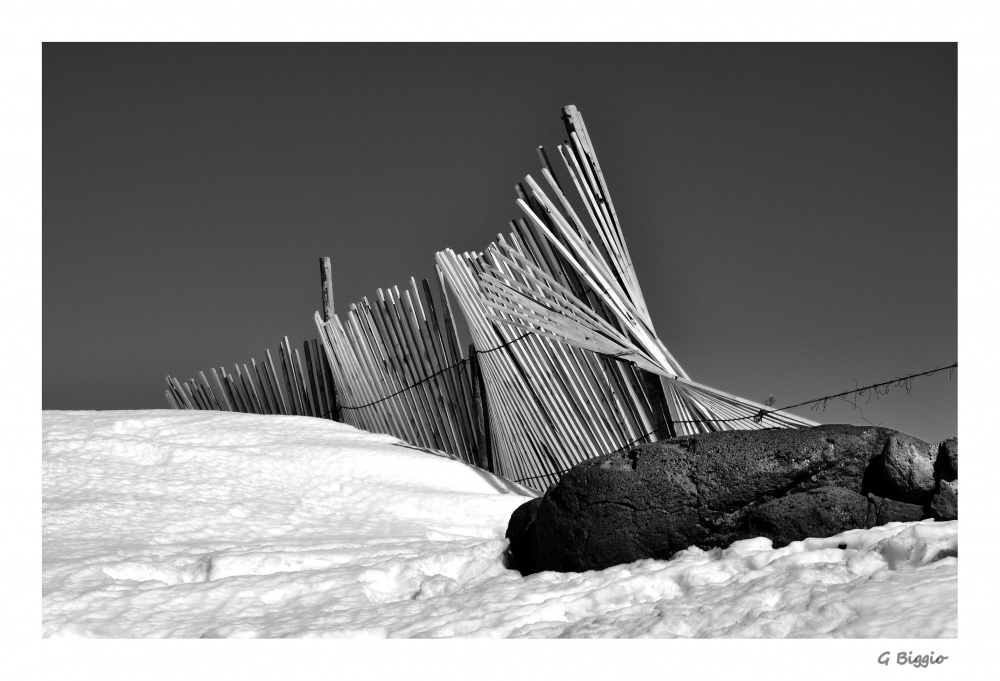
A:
(791, 209)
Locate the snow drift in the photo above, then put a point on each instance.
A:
(209, 524)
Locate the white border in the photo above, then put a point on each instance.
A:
(25, 26)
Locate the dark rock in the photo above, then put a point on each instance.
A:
(882, 511)
(908, 468)
(821, 512)
(521, 532)
(945, 502)
(946, 466)
(710, 490)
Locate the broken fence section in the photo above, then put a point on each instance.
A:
(593, 376)
(566, 363)
(551, 404)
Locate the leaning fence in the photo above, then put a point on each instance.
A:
(565, 363)
(400, 370)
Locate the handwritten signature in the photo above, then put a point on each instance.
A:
(908, 658)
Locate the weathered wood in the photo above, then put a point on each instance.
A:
(318, 405)
(434, 383)
(195, 394)
(242, 391)
(286, 370)
(453, 374)
(548, 388)
(235, 395)
(373, 401)
(248, 386)
(206, 394)
(398, 372)
(265, 389)
(391, 398)
(589, 376)
(331, 387)
(518, 415)
(209, 395)
(482, 412)
(180, 391)
(173, 391)
(563, 363)
(293, 365)
(222, 392)
(227, 391)
(539, 372)
(451, 409)
(410, 361)
(335, 365)
(171, 400)
(285, 406)
(307, 401)
(326, 279)
(343, 366)
(321, 387)
(386, 364)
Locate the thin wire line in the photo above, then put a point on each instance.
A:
(436, 373)
(763, 413)
(759, 417)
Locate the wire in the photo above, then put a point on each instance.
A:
(757, 418)
(427, 378)
(763, 413)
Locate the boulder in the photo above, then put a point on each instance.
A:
(945, 502)
(908, 468)
(712, 489)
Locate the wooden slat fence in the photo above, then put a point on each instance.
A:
(565, 362)
(400, 369)
(306, 388)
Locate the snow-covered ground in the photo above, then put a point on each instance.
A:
(207, 524)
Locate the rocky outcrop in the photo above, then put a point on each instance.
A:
(710, 490)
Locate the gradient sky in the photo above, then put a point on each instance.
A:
(791, 209)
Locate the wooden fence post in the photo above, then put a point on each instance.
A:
(326, 276)
(482, 412)
(323, 365)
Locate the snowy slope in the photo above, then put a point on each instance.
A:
(208, 524)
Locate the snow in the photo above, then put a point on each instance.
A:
(218, 525)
